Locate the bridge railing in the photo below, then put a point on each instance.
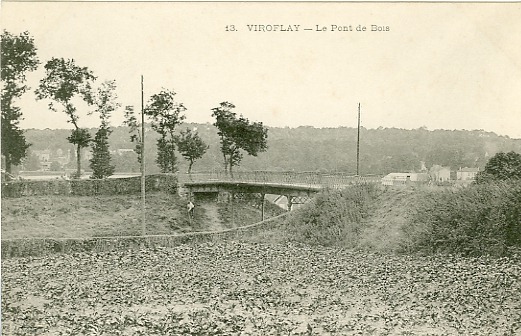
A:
(313, 179)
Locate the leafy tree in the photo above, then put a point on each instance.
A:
(191, 146)
(236, 134)
(100, 163)
(81, 138)
(500, 167)
(166, 114)
(105, 102)
(135, 134)
(64, 81)
(18, 56)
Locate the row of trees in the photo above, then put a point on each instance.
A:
(66, 84)
(237, 134)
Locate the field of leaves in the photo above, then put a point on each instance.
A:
(245, 288)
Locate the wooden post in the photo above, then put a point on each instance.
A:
(233, 210)
(143, 160)
(262, 207)
(358, 144)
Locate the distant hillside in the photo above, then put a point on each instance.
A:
(382, 150)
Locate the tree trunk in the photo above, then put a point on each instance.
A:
(8, 163)
(231, 165)
(225, 164)
(78, 160)
(190, 167)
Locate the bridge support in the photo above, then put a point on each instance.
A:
(227, 191)
(290, 202)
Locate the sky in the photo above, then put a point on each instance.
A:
(440, 66)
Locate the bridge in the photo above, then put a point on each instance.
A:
(297, 187)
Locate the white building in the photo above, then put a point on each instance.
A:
(439, 173)
(467, 174)
(404, 178)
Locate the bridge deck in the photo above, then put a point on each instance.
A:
(278, 183)
(303, 187)
(278, 179)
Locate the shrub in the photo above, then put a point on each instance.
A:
(501, 167)
(119, 186)
(480, 219)
(333, 217)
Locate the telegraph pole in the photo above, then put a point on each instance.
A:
(358, 145)
(143, 224)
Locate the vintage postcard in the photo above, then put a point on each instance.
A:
(261, 168)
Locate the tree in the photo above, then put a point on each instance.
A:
(500, 167)
(166, 114)
(135, 134)
(236, 134)
(191, 146)
(18, 56)
(105, 102)
(64, 81)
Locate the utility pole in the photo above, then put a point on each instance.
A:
(262, 207)
(358, 145)
(143, 224)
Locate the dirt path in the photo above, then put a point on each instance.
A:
(214, 222)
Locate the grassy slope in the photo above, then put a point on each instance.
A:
(334, 220)
(382, 229)
(61, 216)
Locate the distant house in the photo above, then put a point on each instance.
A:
(45, 165)
(47, 157)
(404, 178)
(121, 151)
(43, 155)
(467, 174)
(423, 168)
(62, 158)
(439, 173)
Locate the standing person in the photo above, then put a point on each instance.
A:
(190, 207)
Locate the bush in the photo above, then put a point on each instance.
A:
(501, 167)
(119, 186)
(480, 219)
(333, 217)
